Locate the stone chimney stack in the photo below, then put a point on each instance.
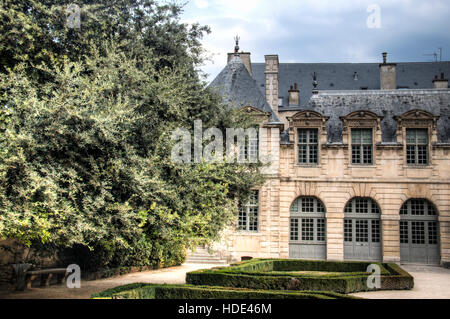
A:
(388, 74)
(294, 95)
(441, 83)
(271, 72)
(245, 57)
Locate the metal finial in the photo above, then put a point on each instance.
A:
(236, 48)
(315, 83)
(315, 80)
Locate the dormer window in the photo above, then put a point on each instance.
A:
(362, 146)
(361, 131)
(308, 146)
(416, 130)
(417, 146)
(308, 130)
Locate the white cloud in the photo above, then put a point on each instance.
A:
(321, 31)
(202, 4)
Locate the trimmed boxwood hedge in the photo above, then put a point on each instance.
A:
(149, 291)
(276, 274)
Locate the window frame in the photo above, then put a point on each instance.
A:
(308, 145)
(361, 146)
(308, 222)
(245, 211)
(416, 145)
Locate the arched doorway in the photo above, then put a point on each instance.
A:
(419, 232)
(307, 235)
(362, 230)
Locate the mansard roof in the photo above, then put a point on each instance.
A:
(387, 104)
(341, 76)
(237, 87)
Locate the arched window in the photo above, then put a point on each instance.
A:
(362, 229)
(307, 220)
(419, 232)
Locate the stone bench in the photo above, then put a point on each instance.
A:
(46, 276)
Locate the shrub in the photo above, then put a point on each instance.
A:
(277, 274)
(145, 291)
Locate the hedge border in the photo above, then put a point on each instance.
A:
(256, 274)
(155, 291)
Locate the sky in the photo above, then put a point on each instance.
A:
(323, 30)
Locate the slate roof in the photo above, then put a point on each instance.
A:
(383, 103)
(340, 94)
(237, 87)
(340, 76)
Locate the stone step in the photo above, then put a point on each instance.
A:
(206, 261)
(203, 258)
(203, 255)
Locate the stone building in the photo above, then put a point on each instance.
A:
(362, 160)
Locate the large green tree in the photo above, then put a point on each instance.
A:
(87, 117)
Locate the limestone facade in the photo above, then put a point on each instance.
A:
(389, 180)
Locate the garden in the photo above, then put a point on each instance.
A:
(272, 279)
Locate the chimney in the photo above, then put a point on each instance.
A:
(245, 57)
(388, 74)
(272, 81)
(441, 83)
(294, 96)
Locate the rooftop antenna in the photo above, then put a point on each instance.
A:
(432, 54)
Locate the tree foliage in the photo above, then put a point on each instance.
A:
(87, 117)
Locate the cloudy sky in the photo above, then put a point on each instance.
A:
(323, 30)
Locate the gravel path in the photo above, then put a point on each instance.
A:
(429, 283)
(173, 275)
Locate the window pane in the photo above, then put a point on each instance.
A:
(404, 237)
(356, 136)
(313, 158)
(417, 207)
(362, 230)
(367, 154)
(375, 231)
(410, 154)
(294, 206)
(418, 232)
(242, 219)
(410, 136)
(422, 136)
(308, 146)
(307, 229)
(307, 204)
(302, 154)
(422, 154)
(248, 213)
(432, 233)
(366, 136)
(294, 229)
(320, 229)
(356, 154)
(348, 236)
(253, 219)
(312, 136)
(361, 205)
